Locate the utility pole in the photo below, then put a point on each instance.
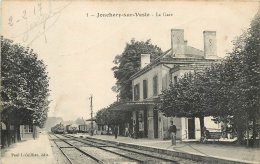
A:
(91, 114)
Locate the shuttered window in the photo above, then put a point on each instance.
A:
(155, 85)
(145, 89)
(175, 79)
(136, 92)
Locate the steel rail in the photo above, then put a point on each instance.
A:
(62, 151)
(125, 149)
(100, 147)
(83, 152)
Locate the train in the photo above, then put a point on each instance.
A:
(58, 129)
(71, 129)
(83, 129)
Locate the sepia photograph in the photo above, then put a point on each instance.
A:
(115, 81)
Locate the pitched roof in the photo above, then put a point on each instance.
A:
(189, 52)
(191, 55)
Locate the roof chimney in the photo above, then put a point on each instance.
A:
(145, 60)
(210, 44)
(177, 40)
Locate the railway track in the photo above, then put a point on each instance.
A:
(72, 153)
(101, 152)
(77, 152)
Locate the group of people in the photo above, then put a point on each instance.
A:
(172, 131)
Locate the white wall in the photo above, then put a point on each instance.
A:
(211, 125)
(197, 128)
(163, 81)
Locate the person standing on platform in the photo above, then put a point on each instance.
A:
(172, 131)
(116, 131)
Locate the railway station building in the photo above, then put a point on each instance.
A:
(154, 77)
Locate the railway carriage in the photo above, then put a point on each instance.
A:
(83, 128)
(72, 129)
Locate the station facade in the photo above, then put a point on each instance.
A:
(154, 77)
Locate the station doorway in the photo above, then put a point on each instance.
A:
(191, 128)
(155, 121)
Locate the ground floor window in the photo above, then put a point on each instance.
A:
(28, 128)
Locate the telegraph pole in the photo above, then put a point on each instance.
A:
(91, 114)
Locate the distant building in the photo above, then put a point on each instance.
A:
(149, 82)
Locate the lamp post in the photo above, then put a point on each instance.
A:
(91, 114)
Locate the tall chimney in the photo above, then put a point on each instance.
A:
(145, 60)
(177, 41)
(210, 44)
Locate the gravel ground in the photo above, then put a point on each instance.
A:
(144, 158)
(147, 158)
(74, 155)
(77, 157)
(108, 157)
(62, 144)
(177, 159)
(60, 136)
(105, 156)
(59, 158)
(87, 142)
(52, 136)
(76, 143)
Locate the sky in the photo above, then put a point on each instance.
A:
(78, 46)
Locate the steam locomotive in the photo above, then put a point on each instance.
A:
(61, 129)
(58, 129)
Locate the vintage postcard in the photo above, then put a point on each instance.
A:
(130, 81)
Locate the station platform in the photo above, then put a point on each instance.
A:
(217, 152)
(40, 151)
(29, 151)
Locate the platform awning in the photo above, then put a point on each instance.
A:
(132, 105)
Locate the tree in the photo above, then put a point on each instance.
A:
(187, 98)
(246, 56)
(111, 118)
(228, 90)
(237, 94)
(24, 86)
(106, 116)
(128, 63)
